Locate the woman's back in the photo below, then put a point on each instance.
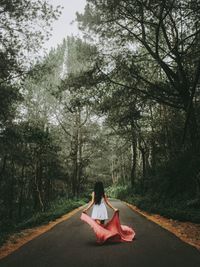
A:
(99, 210)
(99, 200)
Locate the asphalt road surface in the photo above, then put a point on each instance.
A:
(72, 243)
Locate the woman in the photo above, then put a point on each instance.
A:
(99, 212)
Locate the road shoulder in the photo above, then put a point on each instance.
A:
(186, 231)
(19, 239)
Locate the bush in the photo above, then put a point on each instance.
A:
(56, 210)
(119, 191)
(178, 208)
(177, 176)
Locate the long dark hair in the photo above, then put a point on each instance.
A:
(98, 192)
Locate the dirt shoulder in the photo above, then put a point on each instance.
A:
(19, 239)
(186, 231)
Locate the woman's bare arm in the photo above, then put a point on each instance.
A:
(109, 204)
(90, 204)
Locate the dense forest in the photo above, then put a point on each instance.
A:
(121, 105)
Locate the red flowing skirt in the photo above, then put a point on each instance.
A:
(111, 231)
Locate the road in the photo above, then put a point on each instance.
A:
(72, 244)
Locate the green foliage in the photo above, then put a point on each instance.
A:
(146, 79)
(9, 97)
(32, 158)
(179, 208)
(172, 209)
(140, 80)
(167, 191)
(119, 191)
(171, 178)
(56, 210)
(23, 23)
(80, 55)
(24, 26)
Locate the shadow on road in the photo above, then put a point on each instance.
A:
(93, 243)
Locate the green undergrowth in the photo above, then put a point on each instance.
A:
(56, 210)
(178, 208)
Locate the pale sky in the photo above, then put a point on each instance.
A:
(62, 27)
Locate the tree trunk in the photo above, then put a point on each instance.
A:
(193, 128)
(38, 205)
(11, 191)
(3, 167)
(80, 160)
(21, 193)
(74, 156)
(134, 155)
(191, 125)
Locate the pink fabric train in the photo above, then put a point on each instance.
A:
(111, 231)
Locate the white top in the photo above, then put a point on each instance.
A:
(99, 211)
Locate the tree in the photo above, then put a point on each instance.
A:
(163, 35)
(24, 27)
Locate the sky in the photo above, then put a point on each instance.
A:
(62, 27)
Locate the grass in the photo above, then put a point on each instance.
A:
(179, 208)
(57, 209)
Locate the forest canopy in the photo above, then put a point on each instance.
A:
(120, 104)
